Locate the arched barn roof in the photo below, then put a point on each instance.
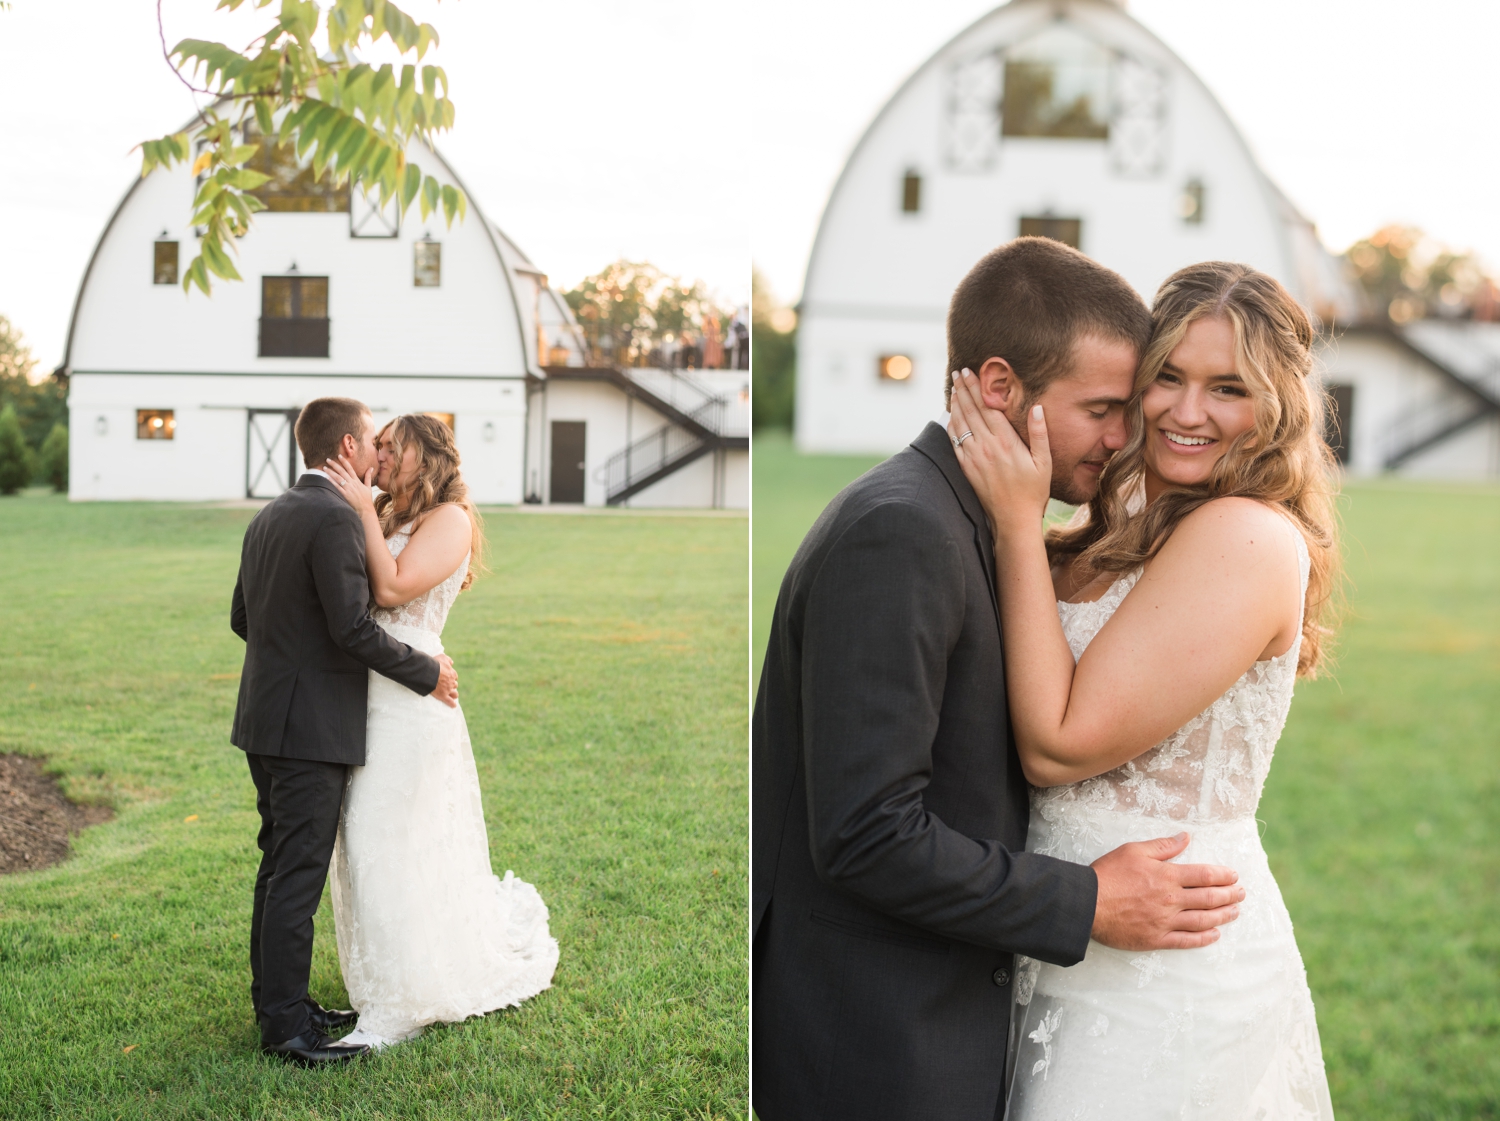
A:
(513, 265)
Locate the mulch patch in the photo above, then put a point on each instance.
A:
(36, 818)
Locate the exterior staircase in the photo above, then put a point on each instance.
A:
(699, 422)
(1414, 432)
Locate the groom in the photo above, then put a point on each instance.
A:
(891, 887)
(301, 605)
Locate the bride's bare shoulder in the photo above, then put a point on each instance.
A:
(448, 518)
(1242, 533)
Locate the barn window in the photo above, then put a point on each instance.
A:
(911, 193)
(294, 317)
(155, 424)
(1056, 84)
(164, 263)
(1190, 205)
(894, 367)
(293, 187)
(446, 418)
(428, 272)
(1069, 231)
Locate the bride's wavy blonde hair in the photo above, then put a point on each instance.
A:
(1282, 461)
(436, 482)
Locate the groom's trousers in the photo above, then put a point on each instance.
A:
(299, 802)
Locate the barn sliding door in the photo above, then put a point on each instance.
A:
(270, 452)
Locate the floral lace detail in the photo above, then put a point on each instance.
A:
(429, 611)
(1221, 1033)
(1211, 769)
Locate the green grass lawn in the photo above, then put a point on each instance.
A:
(1382, 814)
(603, 669)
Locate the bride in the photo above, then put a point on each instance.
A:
(426, 931)
(1151, 647)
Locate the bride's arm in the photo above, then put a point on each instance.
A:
(1210, 603)
(436, 547)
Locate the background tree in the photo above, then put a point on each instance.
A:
(773, 358)
(17, 464)
(40, 403)
(1408, 275)
(302, 86)
(52, 461)
(630, 310)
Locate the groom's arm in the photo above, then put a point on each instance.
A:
(337, 560)
(883, 615)
(238, 617)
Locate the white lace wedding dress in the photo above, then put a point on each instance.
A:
(426, 931)
(1224, 1032)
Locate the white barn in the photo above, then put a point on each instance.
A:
(181, 397)
(1067, 118)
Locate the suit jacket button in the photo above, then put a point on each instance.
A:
(1002, 977)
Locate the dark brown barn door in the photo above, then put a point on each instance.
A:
(1338, 420)
(567, 460)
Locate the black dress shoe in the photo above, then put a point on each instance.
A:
(312, 1048)
(329, 1019)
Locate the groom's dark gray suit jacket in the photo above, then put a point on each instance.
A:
(890, 886)
(301, 604)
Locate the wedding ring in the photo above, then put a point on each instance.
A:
(962, 438)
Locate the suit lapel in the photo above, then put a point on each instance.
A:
(934, 443)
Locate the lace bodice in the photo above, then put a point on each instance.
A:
(1214, 767)
(429, 611)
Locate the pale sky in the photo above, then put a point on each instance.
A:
(588, 130)
(1365, 112)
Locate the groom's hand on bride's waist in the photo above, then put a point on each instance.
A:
(446, 690)
(1147, 903)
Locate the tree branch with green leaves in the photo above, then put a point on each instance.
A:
(355, 119)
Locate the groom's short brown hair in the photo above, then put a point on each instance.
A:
(323, 424)
(1028, 302)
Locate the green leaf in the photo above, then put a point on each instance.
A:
(411, 185)
(431, 189)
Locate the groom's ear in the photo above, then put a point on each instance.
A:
(999, 388)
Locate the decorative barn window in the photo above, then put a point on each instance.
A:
(1138, 133)
(1069, 231)
(428, 272)
(1190, 205)
(971, 132)
(1057, 84)
(155, 424)
(293, 187)
(446, 418)
(911, 193)
(367, 219)
(294, 317)
(164, 263)
(894, 367)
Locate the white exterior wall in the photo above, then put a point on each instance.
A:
(879, 280)
(206, 459)
(1392, 386)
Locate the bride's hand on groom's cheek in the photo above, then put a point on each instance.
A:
(356, 490)
(1012, 480)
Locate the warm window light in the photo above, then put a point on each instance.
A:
(155, 424)
(446, 418)
(1190, 204)
(895, 367)
(428, 269)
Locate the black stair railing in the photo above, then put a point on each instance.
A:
(660, 452)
